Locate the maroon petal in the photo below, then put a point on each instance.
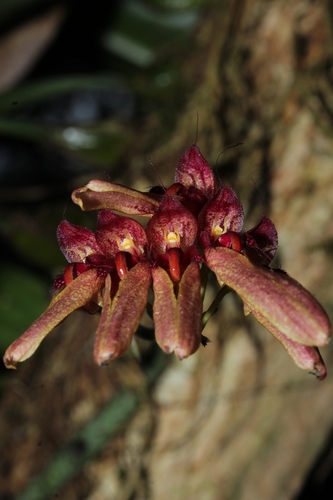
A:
(98, 194)
(261, 242)
(273, 296)
(223, 213)
(194, 171)
(78, 293)
(116, 233)
(121, 317)
(178, 319)
(76, 242)
(172, 226)
(165, 311)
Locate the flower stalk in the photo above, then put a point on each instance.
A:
(213, 308)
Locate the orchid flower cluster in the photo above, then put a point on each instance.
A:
(194, 226)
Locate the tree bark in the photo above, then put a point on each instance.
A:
(237, 420)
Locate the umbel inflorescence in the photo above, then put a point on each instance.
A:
(194, 226)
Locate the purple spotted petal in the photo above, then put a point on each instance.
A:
(76, 242)
(224, 212)
(116, 233)
(194, 171)
(171, 217)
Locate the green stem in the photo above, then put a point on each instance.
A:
(204, 272)
(214, 305)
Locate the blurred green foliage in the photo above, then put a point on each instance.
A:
(10, 9)
(22, 300)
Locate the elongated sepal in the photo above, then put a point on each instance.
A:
(305, 357)
(272, 297)
(189, 312)
(178, 319)
(77, 294)
(98, 194)
(121, 317)
(165, 310)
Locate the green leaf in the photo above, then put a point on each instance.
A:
(36, 92)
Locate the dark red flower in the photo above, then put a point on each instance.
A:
(177, 308)
(191, 224)
(241, 262)
(108, 269)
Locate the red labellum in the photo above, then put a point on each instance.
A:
(121, 264)
(230, 240)
(174, 264)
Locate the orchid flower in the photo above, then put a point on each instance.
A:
(193, 226)
(107, 269)
(241, 261)
(177, 309)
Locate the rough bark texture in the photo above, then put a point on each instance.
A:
(237, 420)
